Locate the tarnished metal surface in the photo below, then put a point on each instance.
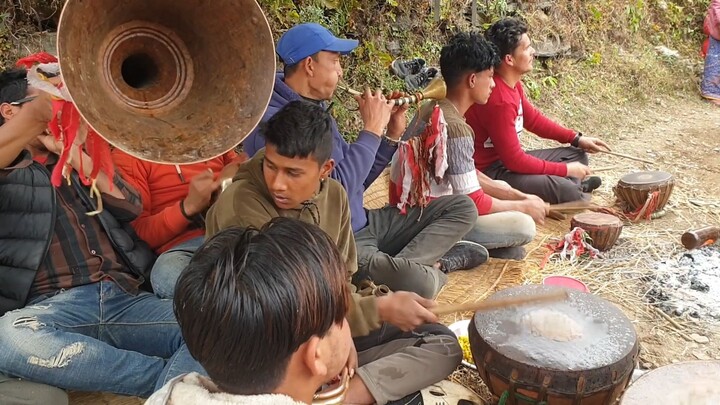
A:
(168, 81)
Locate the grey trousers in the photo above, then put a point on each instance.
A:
(14, 391)
(394, 363)
(552, 189)
(400, 250)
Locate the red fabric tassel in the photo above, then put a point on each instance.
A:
(31, 60)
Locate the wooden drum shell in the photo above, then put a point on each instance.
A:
(635, 195)
(603, 229)
(598, 386)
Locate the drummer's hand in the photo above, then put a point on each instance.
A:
(398, 119)
(375, 111)
(578, 170)
(592, 145)
(406, 310)
(536, 208)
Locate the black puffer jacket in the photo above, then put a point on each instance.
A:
(28, 206)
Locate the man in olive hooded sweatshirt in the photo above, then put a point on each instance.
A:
(395, 334)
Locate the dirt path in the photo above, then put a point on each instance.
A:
(683, 139)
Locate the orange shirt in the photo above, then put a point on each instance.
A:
(161, 223)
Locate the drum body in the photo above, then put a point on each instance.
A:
(634, 188)
(689, 383)
(604, 229)
(524, 365)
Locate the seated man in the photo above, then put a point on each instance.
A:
(292, 273)
(290, 178)
(466, 64)
(175, 199)
(72, 313)
(555, 175)
(404, 252)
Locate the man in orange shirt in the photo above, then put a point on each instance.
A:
(174, 199)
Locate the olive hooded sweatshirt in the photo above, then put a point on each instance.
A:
(247, 202)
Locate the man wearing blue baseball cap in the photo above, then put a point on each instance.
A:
(408, 252)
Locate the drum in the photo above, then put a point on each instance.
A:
(581, 351)
(603, 229)
(634, 188)
(690, 383)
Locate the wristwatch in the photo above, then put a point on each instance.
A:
(576, 141)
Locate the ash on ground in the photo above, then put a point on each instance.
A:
(688, 285)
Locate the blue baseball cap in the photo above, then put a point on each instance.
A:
(307, 39)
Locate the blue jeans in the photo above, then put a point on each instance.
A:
(95, 338)
(170, 264)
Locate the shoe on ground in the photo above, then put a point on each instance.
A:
(421, 80)
(464, 255)
(509, 253)
(591, 184)
(444, 392)
(404, 68)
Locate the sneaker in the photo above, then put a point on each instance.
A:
(421, 80)
(444, 392)
(591, 183)
(405, 68)
(510, 253)
(464, 255)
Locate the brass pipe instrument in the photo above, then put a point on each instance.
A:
(336, 395)
(436, 90)
(168, 81)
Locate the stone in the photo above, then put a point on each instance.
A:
(700, 355)
(700, 338)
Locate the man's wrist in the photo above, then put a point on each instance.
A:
(576, 141)
(375, 131)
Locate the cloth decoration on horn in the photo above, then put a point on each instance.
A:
(68, 127)
(416, 160)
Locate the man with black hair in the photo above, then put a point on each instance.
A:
(72, 314)
(290, 178)
(504, 224)
(405, 252)
(555, 175)
(263, 311)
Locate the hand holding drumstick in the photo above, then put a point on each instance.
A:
(592, 145)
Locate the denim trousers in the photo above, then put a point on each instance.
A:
(95, 337)
(170, 264)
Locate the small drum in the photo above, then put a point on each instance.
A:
(604, 229)
(634, 188)
(581, 351)
(690, 383)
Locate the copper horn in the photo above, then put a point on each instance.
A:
(436, 90)
(168, 81)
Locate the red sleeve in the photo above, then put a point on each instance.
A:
(505, 140)
(157, 229)
(542, 126)
(482, 201)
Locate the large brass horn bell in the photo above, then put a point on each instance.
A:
(168, 81)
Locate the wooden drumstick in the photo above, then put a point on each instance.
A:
(499, 303)
(572, 206)
(627, 156)
(604, 169)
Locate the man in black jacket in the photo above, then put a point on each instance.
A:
(72, 313)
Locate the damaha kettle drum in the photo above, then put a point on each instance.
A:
(689, 383)
(581, 351)
(603, 229)
(635, 188)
